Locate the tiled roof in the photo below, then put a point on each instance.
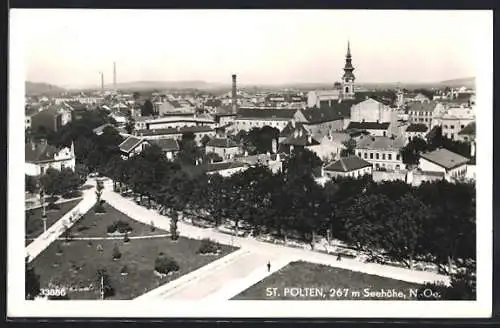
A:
(320, 115)
(129, 144)
(301, 140)
(35, 153)
(186, 129)
(445, 158)
(166, 144)
(422, 107)
(222, 143)
(289, 129)
(368, 125)
(470, 129)
(417, 128)
(269, 114)
(342, 109)
(213, 167)
(101, 128)
(348, 164)
(378, 142)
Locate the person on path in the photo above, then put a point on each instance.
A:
(339, 257)
(268, 266)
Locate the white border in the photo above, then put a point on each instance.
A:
(18, 307)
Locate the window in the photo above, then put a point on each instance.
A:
(359, 154)
(377, 165)
(389, 156)
(462, 126)
(371, 155)
(397, 167)
(446, 126)
(42, 169)
(376, 156)
(383, 156)
(366, 155)
(398, 157)
(452, 126)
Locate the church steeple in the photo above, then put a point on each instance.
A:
(348, 77)
(348, 68)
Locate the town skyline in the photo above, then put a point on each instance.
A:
(264, 47)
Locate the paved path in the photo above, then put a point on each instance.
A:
(57, 229)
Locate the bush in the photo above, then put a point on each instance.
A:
(99, 208)
(124, 270)
(120, 226)
(165, 264)
(72, 194)
(126, 239)
(116, 253)
(208, 247)
(53, 206)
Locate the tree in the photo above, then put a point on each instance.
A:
(350, 146)
(462, 287)
(189, 152)
(411, 152)
(130, 125)
(260, 140)
(32, 281)
(116, 253)
(147, 108)
(30, 184)
(82, 171)
(136, 95)
(302, 161)
(205, 140)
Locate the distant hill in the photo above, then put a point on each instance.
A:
(468, 82)
(164, 85)
(39, 88)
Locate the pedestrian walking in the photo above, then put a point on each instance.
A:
(268, 266)
(339, 257)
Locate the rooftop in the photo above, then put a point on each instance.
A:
(421, 107)
(445, 158)
(368, 126)
(280, 114)
(129, 144)
(41, 152)
(186, 129)
(320, 115)
(166, 144)
(222, 143)
(469, 130)
(348, 164)
(377, 142)
(417, 128)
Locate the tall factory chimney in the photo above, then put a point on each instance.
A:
(102, 82)
(234, 95)
(114, 75)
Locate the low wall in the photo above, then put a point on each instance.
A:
(379, 176)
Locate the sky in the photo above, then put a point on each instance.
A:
(70, 47)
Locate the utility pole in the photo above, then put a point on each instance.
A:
(102, 286)
(44, 213)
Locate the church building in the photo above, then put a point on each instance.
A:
(341, 91)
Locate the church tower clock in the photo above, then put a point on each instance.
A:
(348, 77)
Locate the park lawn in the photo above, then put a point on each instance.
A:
(329, 280)
(76, 267)
(95, 225)
(34, 223)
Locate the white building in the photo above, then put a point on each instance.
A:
(382, 152)
(224, 147)
(249, 118)
(132, 146)
(352, 166)
(42, 156)
(454, 166)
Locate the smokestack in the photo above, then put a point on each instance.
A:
(114, 75)
(102, 82)
(234, 95)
